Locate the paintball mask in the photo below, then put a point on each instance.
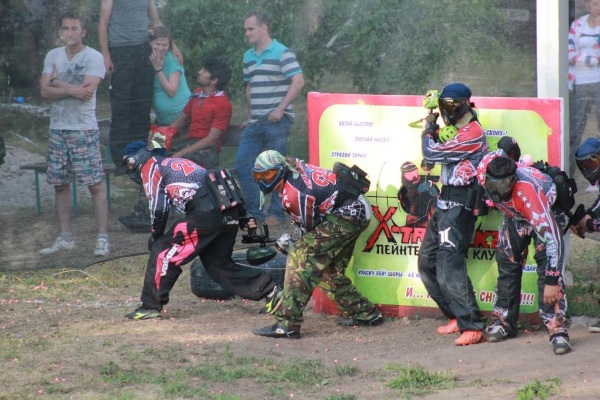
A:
(499, 189)
(452, 109)
(268, 178)
(136, 155)
(589, 167)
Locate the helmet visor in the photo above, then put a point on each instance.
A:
(267, 179)
(450, 105)
(499, 189)
(589, 167)
(452, 109)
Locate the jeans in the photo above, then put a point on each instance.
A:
(256, 138)
(130, 97)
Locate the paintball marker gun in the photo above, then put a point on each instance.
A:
(430, 102)
(574, 219)
(253, 237)
(257, 255)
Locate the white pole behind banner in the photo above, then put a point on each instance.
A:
(552, 22)
(552, 59)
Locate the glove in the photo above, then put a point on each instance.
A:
(431, 127)
(594, 209)
(162, 137)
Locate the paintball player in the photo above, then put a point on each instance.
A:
(587, 159)
(331, 220)
(458, 147)
(206, 231)
(526, 196)
(417, 196)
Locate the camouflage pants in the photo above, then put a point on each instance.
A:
(319, 259)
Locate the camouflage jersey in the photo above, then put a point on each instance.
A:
(312, 195)
(531, 203)
(458, 156)
(169, 181)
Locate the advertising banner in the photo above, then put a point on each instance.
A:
(374, 132)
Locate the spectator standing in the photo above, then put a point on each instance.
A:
(584, 74)
(525, 197)
(204, 232)
(123, 37)
(171, 91)
(458, 147)
(331, 222)
(70, 77)
(273, 80)
(208, 112)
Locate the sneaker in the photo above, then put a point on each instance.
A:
(594, 328)
(102, 247)
(496, 332)
(470, 337)
(274, 301)
(560, 345)
(59, 244)
(144, 313)
(348, 321)
(450, 327)
(277, 331)
(592, 189)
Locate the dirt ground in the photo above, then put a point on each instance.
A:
(79, 335)
(54, 344)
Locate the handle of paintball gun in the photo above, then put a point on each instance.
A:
(574, 219)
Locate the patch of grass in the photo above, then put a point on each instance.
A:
(584, 300)
(539, 390)
(115, 374)
(341, 397)
(346, 370)
(413, 380)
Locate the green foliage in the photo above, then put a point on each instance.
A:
(388, 46)
(414, 380)
(584, 299)
(341, 397)
(539, 390)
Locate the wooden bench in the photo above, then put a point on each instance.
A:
(40, 167)
(231, 139)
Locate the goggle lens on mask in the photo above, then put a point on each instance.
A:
(499, 189)
(267, 179)
(589, 164)
(266, 176)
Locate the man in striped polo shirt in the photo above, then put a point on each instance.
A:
(273, 80)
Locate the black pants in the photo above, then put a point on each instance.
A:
(514, 238)
(211, 236)
(130, 97)
(443, 266)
